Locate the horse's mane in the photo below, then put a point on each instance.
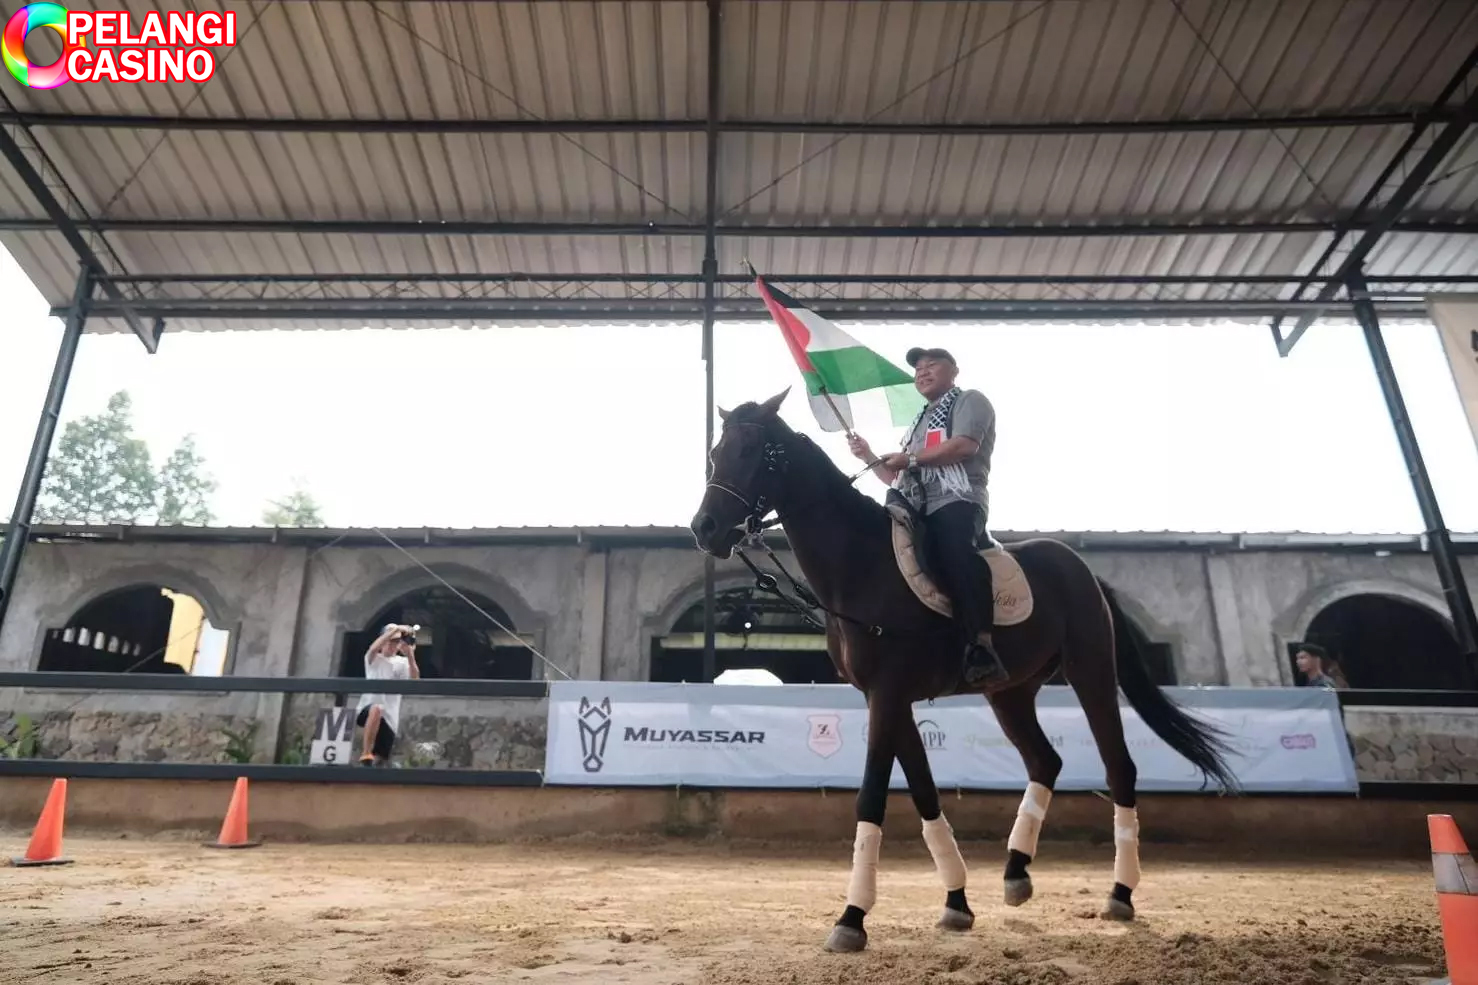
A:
(841, 493)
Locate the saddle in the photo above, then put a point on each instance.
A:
(1013, 593)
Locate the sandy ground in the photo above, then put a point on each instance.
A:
(173, 913)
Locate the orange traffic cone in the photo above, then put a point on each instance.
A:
(233, 829)
(46, 840)
(1457, 898)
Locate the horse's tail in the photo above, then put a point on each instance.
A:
(1203, 744)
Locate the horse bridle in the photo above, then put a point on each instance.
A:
(805, 603)
(775, 464)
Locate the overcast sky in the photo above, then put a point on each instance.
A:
(1186, 428)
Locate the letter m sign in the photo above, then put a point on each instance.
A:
(333, 736)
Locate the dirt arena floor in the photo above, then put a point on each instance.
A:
(129, 912)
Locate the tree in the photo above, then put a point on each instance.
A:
(184, 487)
(297, 509)
(99, 473)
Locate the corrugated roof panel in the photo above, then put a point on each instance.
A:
(1132, 59)
(924, 63)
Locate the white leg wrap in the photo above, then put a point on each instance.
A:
(1029, 818)
(948, 861)
(1126, 846)
(862, 891)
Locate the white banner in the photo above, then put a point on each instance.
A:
(638, 734)
(1456, 318)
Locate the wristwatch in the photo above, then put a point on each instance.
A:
(913, 461)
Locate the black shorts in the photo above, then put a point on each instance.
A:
(384, 735)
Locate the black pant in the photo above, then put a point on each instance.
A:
(384, 735)
(953, 533)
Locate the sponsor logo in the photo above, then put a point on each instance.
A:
(595, 730)
(825, 739)
(930, 731)
(690, 736)
(933, 735)
(1303, 740)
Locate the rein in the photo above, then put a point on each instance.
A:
(805, 601)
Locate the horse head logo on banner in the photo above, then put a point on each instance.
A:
(595, 729)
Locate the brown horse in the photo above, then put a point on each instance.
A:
(896, 650)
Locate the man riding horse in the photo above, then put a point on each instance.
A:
(942, 472)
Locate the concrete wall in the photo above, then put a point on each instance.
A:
(594, 608)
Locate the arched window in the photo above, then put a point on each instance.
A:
(454, 641)
(1381, 641)
(146, 629)
(751, 631)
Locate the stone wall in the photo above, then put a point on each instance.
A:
(135, 736)
(447, 733)
(1414, 744)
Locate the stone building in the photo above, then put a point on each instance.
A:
(619, 604)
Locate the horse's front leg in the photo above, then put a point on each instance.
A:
(938, 835)
(872, 800)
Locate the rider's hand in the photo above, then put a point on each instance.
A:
(896, 462)
(860, 447)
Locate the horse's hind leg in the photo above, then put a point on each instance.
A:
(1016, 711)
(1090, 670)
(938, 835)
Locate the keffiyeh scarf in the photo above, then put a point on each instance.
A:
(949, 478)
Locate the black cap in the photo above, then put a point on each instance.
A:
(1313, 649)
(917, 353)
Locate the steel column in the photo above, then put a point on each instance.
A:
(1454, 587)
(710, 300)
(19, 529)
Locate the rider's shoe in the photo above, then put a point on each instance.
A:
(982, 665)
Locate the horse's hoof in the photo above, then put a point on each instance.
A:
(846, 940)
(955, 920)
(1018, 891)
(1117, 910)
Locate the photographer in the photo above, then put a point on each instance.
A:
(391, 657)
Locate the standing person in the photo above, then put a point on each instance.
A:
(942, 471)
(391, 657)
(1318, 669)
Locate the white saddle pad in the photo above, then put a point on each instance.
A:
(1013, 592)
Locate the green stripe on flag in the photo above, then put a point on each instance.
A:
(904, 403)
(853, 369)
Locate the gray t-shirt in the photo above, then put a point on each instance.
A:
(974, 417)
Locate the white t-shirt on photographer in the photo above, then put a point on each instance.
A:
(382, 668)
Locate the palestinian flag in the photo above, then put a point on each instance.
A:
(833, 364)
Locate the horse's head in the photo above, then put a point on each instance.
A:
(747, 463)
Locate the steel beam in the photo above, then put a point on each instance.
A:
(381, 227)
(336, 125)
(71, 230)
(1387, 218)
(725, 309)
(1449, 572)
(1118, 280)
(18, 532)
(710, 300)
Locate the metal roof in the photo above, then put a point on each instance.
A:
(427, 162)
(681, 537)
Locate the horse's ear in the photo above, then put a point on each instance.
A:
(772, 406)
(724, 414)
